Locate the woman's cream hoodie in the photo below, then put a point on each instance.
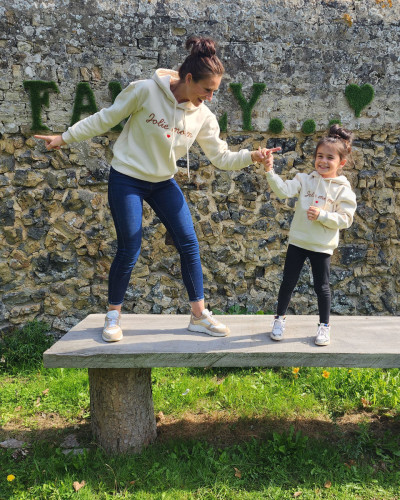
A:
(335, 199)
(158, 132)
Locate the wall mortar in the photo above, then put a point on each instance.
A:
(57, 237)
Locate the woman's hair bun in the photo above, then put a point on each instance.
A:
(201, 47)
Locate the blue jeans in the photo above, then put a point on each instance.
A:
(125, 196)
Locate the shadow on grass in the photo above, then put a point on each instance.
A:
(218, 428)
(215, 456)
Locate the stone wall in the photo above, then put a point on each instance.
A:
(57, 237)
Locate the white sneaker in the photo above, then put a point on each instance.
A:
(112, 330)
(208, 324)
(278, 327)
(323, 334)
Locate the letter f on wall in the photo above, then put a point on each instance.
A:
(39, 96)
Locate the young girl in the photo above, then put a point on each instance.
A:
(325, 204)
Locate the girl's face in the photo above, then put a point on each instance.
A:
(327, 161)
(203, 90)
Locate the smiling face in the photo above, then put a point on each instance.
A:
(328, 161)
(202, 90)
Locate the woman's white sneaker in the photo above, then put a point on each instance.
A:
(323, 334)
(208, 324)
(112, 327)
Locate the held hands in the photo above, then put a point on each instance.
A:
(52, 141)
(265, 157)
(313, 213)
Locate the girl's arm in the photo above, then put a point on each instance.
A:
(342, 217)
(283, 189)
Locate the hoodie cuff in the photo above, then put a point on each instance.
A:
(67, 137)
(323, 215)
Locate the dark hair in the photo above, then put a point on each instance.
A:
(202, 60)
(340, 138)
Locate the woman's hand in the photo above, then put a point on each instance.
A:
(313, 213)
(52, 141)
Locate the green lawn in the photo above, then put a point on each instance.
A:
(224, 434)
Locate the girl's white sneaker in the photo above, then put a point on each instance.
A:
(278, 328)
(323, 334)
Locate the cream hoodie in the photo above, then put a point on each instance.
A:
(158, 132)
(334, 197)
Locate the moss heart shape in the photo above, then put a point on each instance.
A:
(359, 97)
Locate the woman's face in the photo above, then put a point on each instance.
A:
(202, 90)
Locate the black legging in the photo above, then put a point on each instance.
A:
(320, 266)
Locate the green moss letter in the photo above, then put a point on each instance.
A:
(83, 93)
(258, 89)
(115, 89)
(39, 96)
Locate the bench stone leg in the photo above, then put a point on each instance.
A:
(121, 406)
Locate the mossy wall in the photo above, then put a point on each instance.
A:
(57, 238)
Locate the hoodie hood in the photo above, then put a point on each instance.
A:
(340, 179)
(163, 78)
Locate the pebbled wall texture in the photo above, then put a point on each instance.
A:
(57, 238)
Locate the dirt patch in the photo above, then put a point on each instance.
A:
(223, 429)
(218, 428)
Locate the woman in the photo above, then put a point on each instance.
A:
(166, 115)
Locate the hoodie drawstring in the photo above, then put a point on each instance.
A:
(174, 135)
(187, 144)
(173, 131)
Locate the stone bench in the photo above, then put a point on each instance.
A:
(121, 403)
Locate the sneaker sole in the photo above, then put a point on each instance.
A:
(111, 340)
(202, 329)
(276, 338)
(322, 343)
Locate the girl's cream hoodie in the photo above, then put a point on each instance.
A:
(158, 131)
(335, 199)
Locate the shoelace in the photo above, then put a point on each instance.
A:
(323, 331)
(208, 313)
(113, 321)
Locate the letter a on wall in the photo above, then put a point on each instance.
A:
(84, 102)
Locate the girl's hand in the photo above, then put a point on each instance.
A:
(52, 141)
(313, 213)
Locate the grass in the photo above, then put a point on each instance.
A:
(223, 434)
(324, 459)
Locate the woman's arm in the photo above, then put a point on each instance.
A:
(124, 105)
(217, 150)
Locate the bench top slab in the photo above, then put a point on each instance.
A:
(156, 340)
